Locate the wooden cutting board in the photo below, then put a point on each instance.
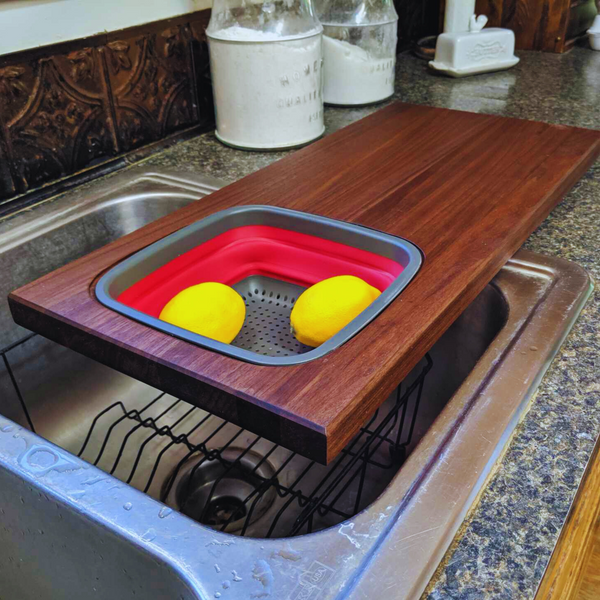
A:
(468, 189)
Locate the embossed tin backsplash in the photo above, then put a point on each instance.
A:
(67, 107)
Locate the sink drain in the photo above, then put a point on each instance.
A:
(220, 491)
(220, 510)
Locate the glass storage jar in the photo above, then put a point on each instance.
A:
(266, 68)
(359, 50)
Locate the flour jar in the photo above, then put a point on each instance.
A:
(359, 50)
(266, 68)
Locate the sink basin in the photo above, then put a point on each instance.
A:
(124, 491)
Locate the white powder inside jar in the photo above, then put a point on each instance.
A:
(353, 76)
(267, 88)
(244, 34)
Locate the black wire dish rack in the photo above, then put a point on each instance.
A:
(231, 480)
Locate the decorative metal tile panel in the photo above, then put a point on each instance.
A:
(58, 121)
(151, 77)
(66, 108)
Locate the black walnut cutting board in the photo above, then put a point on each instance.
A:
(468, 189)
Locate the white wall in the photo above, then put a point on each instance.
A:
(30, 23)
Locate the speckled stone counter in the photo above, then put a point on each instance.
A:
(506, 542)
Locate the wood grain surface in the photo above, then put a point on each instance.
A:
(574, 569)
(588, 587)
(468, 189)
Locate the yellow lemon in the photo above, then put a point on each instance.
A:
(211, 309)
(328, 306)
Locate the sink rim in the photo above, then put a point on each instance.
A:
(515, 375)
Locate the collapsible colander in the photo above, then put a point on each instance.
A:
(270, 256)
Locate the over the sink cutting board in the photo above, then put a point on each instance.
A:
(468, 189)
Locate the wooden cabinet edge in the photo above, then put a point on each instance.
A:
(565, 571)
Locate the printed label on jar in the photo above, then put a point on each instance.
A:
(287, 79)
(382, 66)
(289, 101)
(316, 116)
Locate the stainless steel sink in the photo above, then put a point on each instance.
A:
(69, 529)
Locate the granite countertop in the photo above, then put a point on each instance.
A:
(506, 542)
